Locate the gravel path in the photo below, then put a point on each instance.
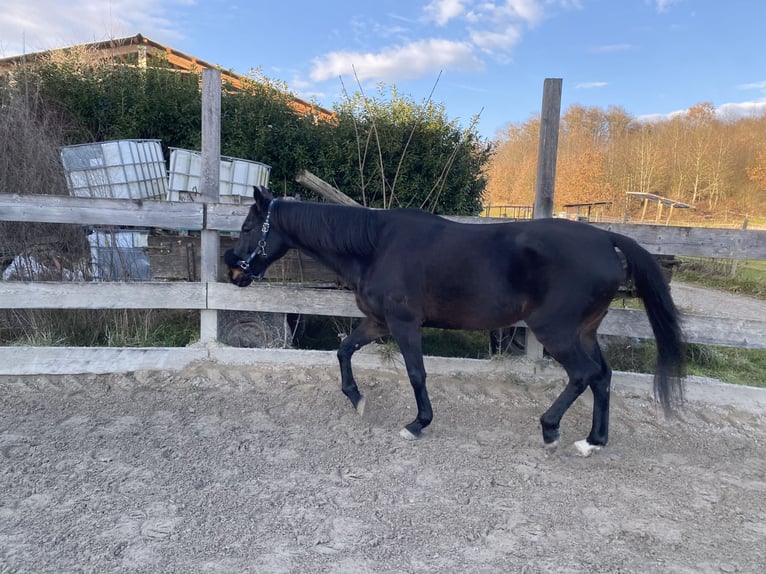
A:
(714, 303)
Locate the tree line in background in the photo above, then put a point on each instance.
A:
(383, 151)
(717, 166)
(387, 150)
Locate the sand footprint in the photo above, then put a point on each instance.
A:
(158, 528)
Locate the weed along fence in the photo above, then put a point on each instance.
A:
(210, 295)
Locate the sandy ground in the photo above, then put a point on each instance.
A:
(217, 470)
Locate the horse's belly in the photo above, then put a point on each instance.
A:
(474, 317)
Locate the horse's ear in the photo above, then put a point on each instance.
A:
(262, 197)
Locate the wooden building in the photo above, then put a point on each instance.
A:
(143, 52)
(647, 198)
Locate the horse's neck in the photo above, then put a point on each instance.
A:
(315, 240)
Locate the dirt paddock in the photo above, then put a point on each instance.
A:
(227, 470)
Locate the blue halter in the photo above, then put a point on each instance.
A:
(260, 249)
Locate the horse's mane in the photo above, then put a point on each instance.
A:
(334, 228)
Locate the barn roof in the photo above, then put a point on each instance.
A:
(587, 204)
(650, 197)
(144, 49)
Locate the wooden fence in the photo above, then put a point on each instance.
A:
(212, 296)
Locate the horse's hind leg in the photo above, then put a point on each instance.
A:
(551, 419)
(367, 331)
(601, 387)
(582, 359)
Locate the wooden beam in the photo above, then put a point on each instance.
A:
(694, 241)
(280, 298)
(273, 298)
(317, 184)
(99, 211)
(95, 360)
(670, 214)
(659, 239)
(225, 216)
(111, 295)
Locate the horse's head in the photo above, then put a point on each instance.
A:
(259, 244)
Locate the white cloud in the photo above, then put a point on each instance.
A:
(732, 111)
(500, 14)
(611, 48)
(725, 112)
(82, 21)
(753, 86)
(528, 10)
(492, 27)
(663, 5)
(654, 118)
(404, 62)
(590, 85)
(494, 42)
(442, 11)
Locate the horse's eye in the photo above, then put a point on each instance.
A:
(248, 225)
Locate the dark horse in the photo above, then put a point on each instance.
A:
(411, 269)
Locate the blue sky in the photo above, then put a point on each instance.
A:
(653, 58)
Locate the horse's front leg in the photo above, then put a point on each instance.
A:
(367, 331)
(408, 337)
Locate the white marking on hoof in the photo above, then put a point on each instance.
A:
(551, 446)
(584, 448)
(360, 406)
(407, 435)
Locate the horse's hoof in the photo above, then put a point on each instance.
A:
(551, 434)
(360, 406)
(584, 448)
(551, 446)
(407, 435)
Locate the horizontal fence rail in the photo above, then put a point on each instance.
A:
(301, 300)
(94, 211)
(694, 241)
(298, 299)
(658, 239)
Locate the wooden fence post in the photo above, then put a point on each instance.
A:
(547, 151)
(209, 189)
(546, 173)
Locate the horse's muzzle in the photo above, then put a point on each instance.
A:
(238, 274)
(239, 277)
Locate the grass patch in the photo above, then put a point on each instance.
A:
(746, 277)
(635, 356)
(466, 344)
(325, 334)
(727, 364)
(99, 328)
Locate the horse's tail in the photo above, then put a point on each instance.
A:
(653, 289)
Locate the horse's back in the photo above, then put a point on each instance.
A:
(573, 254)
(482, 276)
(421, 244)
